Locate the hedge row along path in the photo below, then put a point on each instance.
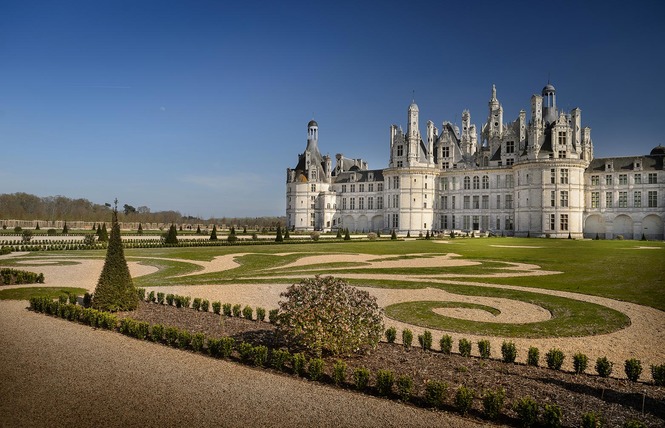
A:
(634, 337)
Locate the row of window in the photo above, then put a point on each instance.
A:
(652, 178)
(622, 202)
(476, 202)
(563, 222)
(477, 183)
(361, 187)
(361, 203)
(474, 222)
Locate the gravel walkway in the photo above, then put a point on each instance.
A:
(57, 373)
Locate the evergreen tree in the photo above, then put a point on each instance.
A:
(286, 233)
(198, 229)
(103, 234)
(171, 236)
(99, 230)
(279, 238)
(347, 237)
(37, 227)
(181, 227)
(140, 230)
(427, 236)
(115, 289)
(378, 233)
(65, 229)
(244, 230)
(94, 227)
(339, 234)
(213, 235)
(408, 233)
(232, 235)
(393, 235)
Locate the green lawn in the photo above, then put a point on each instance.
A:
(28, 293)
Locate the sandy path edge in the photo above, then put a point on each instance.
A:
(58, 373)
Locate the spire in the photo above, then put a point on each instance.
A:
(493, 92)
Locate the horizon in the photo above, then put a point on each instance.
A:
(200, 108)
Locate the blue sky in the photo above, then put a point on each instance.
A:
(200, 106)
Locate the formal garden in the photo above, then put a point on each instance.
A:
(519, 331)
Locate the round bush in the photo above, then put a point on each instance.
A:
(326, 315)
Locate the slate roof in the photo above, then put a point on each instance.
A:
(648, 163)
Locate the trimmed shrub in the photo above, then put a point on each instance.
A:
(185, 301)
(73, 299)
(446, 344)
(260, 355)
(554, 358)
(171, 336)
(141, 293)
(404, 387)
(198, 339)
(151, 296)
(205, 305)
(632, 423)
(425, 340)
(464, 347)
(196, 304)
(246, 351)
(633, 369)
(533, 356)
(217, 308)
(87, 300)
(63, 298)
(484, 348)
(298, 360)
(226, 309)
(184, 339)
(272, 315)
(464, 399)
(580, 362)
(115, 289)
(508, 352)
(591, 420)
(407, 338)
(226, 346)
(339, 373)
(278, 358)
(658, 374)
(315, 368)
(385, 379)
(160, 298)
(604, 367)
(260, 314)
(361, 378)
(170, 298)
(527, 411)
(391, 334)
(247, 312)
(326, 315)
(434, 392)
(493, 402)
(237, 310)
(551, 417)
(157, 333)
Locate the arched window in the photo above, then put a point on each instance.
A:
(467, 183)
(476, 182)
(486, 182)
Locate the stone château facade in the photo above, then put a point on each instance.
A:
(534, 177)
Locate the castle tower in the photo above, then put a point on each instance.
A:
(549, 104)
(495, 119)
(412, 134)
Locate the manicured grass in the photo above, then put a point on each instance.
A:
(28, 293)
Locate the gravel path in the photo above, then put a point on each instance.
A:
(58, 373)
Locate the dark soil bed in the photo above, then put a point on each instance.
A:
(616, 400)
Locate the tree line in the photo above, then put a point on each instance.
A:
(24, 206)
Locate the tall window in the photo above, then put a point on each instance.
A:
(379, 202)
(445, 152)
(343, 203)
(352, 203)
(552, 176)
(608, 180)
(476, 182)
(653, 178)
(395, 201)
(370, 202)
(637, 199)
(653, 198)
(623, 179)
(562, 138)
(353, 188)
(609, 198)
(509, 222)
(467, 202)
(623, 199)
(343, 188)
(476, 202)
(444, 183)
(444, 222)
(564, 176)
(595, 199)
(452, 205)
(466, 222)
(486, 182)
(595, 180)
(361, 187)
(395, 182)
(638, 178)
(564, 198)
(486, 202)
(510, 147)
(379, 187)
(395, 218)
(313, 187)
(361, 203)
(563, 222)
(509, 202)
(498, 202)
(444, 202)
(510, 182)
(552, 221)
(552, 198)
(467, 183)
(400, 150)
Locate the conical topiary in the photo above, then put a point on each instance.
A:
(171, 236)
(279, 237)
(140, 230)
(65, 229)
(286, 233)
(213, 235)
(115, 289)
(103, 234)
(347, 237)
